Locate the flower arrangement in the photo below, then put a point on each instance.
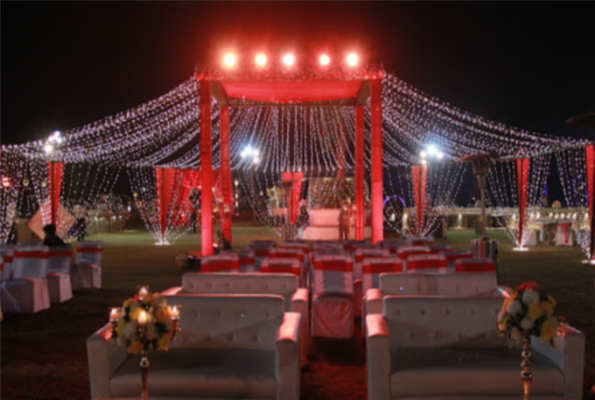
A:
(143, 321)
(528, 312)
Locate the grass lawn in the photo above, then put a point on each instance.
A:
(44, 355)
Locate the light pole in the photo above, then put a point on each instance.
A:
(252, 154)
(429, 154)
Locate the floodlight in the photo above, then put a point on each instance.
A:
(229, 60)
(288, 59)
(423, 154)
(261, 60)
(352, 59)
(324, 59)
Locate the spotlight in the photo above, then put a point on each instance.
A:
(440, 155)
(423, 154)
(324, 59)
(352, 59)
(288, 59)
(229, 60)
(48, 148)
(432, 150)
(261, 60)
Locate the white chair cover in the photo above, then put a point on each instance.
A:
(420, 240)
(89, 252)
(391, 245)
(226, 262)
(564, 233)
(281, 266)
(58, 275)
(59, 260)
(332, 303)
(31, 261)
(363, 253)
(7, 254)
(373, 267)
(439, 247)
(247, 261)
(28, 292)
(85, 276)
(406, 251)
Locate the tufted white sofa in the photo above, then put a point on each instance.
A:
(448, 348)
(448, 284)
(229, 347)
(284, 285)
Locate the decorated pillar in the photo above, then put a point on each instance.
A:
(522, 181)
(341, 151)
(377, 183)
(359, 173)
(293, 198)
(591, 188)
(420, 178)
(55, 184)
(164, 179)
(206, 164)
(226, 181)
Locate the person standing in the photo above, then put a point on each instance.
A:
(344, 219)
(51, 239)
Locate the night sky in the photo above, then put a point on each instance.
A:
(68, 64)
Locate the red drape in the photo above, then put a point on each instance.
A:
(206, 164)
(55, 184)
(359, 173)
(591, 188)
(297, 178)
(164, 178)
(376, 144)
(419, 191)
(522, 181)
(226, 180)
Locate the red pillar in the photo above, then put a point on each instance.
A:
(225, 170)
(420, 178)
(359, 173)
(164, 179)
(206, 165)
(591, 187)
(55, 184)
(522, 181)
(377, 190)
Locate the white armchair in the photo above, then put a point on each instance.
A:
(229, 347)
(284, 285)
(438, 347)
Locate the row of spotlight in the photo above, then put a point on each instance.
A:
(230, 60)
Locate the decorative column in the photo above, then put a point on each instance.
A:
(164, 178)
(359, 173)
(377, 183)
(206, 165)
(420, 178)
(522, 180)
(55, 183)
(591, 187)
(226, 181)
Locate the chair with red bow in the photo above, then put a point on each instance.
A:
(27, 292)
(425, 262)
(475, 265)
(226, 262)
(332, 301)
(391, 245)
(296, 254)
(420, 240)
(58, 274)
(405, 252)
(247, 261)
(437, 248)
(453, 255)
(86, 272)
(281, 266)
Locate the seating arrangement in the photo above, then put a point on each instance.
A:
(293, 253)
(352, 245)
(419, 240)
(86, 272)
(27, 291)
(58, 274)
(247, 261)
(422, 283)
(425, 261)
(229, 346)
(437, 248)
(332, 296)
(282, 266)
(475, 265)
(454, 255)
(261, 249)
(226, 262)
(391, 245)
(438, 347)
(284, 285)
(404, 252)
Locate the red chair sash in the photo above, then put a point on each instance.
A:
(223, 265)
(333, 265)
(280, 269)
(479, 266)
(32, 254)
(89, 249)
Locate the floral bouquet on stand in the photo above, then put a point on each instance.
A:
(145, 321)
(525, 313)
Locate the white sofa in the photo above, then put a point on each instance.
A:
(448, 348)
(229, 347)
(284, 285)
(450, 284)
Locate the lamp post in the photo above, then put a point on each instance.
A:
(252, 154)
(430, 154)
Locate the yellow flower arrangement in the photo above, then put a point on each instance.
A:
(528, 312)
(145, 321)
